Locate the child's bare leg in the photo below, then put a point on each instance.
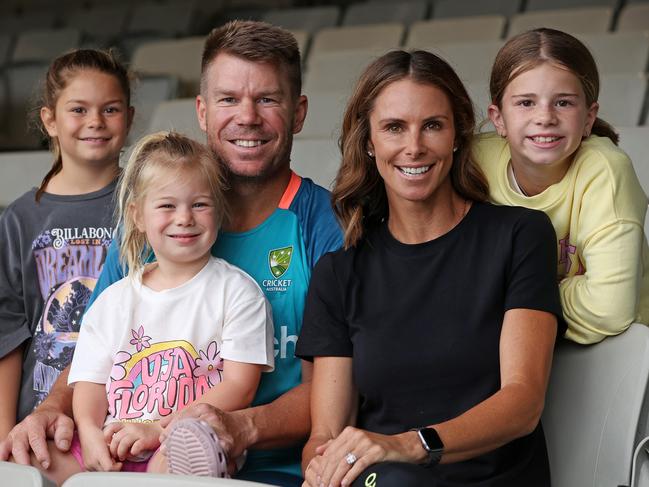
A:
(62, 464)
(158, 463)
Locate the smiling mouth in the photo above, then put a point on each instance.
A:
(248, 143)
(414, 171)
(184, 236)
(95, 139)
(544, 140)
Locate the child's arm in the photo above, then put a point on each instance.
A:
(237, 389)
(90, 405)
(10, 373)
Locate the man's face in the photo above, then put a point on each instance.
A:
(250, 115)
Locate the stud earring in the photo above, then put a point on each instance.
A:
(454, 149)
(370, 153)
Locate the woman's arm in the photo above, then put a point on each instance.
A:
(526, 347)
(90, 405)
(333, 407)
(10, 373)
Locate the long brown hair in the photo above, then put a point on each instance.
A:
(151, 156)
(359, 196)
(59, 74)
(534, 47)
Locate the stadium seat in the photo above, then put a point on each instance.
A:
(176, 57)
(149, 92)
(443, 9)
(310, 19)
(584, 20)
(461, 29)
(607, 50)
(634, 142)
(40, 19)
(376, 36)
(178, 115)
(472, 61)
(318, 159)
(167, 19)
(595, 412)
(6, 41)
(100, 24)
(44, 45)
(558, 4)
(21, 171)
(337, 71)
(22, 476)
(325, 115)
(129, 479)
(621, 98)
(377, 12)
(634, 17)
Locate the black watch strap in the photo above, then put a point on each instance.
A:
(432, 443)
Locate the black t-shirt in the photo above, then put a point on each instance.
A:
(423, 322)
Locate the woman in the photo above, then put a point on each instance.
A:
(432, 331)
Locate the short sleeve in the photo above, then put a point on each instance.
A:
(248, 329)
(532, 279)
(14, 326)
(92, 360)
(111, 272)
(325, 332)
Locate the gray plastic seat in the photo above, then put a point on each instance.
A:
(461, 29)
(20, 172)
(325, 117)
(310, 19)
(558, 4)
(100, 24)
(621, 98)
(175, 57)
(607, 50)
(178, 115)
(44, 45)
(634, 142)
(595, 409)
(337, 71)
(318, 159)
(375, 36)
(377, 12)
(468, 8)
(173, 18)
(584, 20)
(634, 17)
(149, 92)
(20, 475)
(130, 479)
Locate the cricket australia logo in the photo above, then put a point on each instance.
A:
(279, 260)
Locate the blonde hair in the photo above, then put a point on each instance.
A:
(153, 154)
(359, 196)
(532, 48)
(59, 74)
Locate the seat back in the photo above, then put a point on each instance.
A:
(318, 159)
(461, 29)
(310, 19)
(634, 17)
(44, 45)
(20, 172)
(148, 93)
(131, 479)
(337, 71)
(574, 20)
(468, 8)
(621, 98)
(595, 411)
(178, 115)
(378, 12)
(22, 476)
(606, 49)
(375, 36)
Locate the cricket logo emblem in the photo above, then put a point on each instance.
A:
(279, 261)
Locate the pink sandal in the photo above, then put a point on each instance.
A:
(194, 449)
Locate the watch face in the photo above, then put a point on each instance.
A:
(432, 439)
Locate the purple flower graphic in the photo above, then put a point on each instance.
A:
(118, 372)
(140, 340)
(210, 364)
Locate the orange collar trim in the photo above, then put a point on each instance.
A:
(290, 191)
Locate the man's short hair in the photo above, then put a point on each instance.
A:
(258, 42)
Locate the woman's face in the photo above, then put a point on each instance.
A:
(412, 134)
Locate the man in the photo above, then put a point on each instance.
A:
(250, 106)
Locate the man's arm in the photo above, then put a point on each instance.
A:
(280, 423)
(51, 419)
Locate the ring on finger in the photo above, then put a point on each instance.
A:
(350, 458)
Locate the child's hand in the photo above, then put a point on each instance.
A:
(127, 440)
(96, 456)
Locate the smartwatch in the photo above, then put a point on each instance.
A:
(433, 445)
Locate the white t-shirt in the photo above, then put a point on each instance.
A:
(159, 351)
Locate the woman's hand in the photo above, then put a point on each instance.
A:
(332, 465)
(96, 456)
(127, 440)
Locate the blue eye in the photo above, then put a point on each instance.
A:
(434, 125)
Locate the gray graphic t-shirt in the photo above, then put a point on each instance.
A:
(51, 254)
